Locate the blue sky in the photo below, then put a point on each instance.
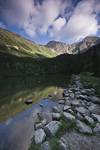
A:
(44, 20)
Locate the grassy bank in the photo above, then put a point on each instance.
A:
(90, 81)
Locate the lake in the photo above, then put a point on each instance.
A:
(16, 118)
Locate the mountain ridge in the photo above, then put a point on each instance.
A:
(75, 48)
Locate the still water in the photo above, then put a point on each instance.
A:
(16, 118)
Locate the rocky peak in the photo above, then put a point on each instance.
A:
(75, 48)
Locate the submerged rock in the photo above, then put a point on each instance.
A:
(29, 101)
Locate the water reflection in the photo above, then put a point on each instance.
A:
(14, 91)
(16, 132)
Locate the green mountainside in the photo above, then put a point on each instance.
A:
(11, 43)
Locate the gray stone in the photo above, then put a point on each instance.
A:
(52, 128)
(83, 128)
(90, 91)
(82, 110)
(77, 93)
(68, 116)
(56, 116)
(68, 102)
(79, 116)
(66, 107)
(72, 96)
(62, 145)
(70, 111)
(95, 99)
(44, 122)
(65, 93)
(75, 102)
(83, 91)
(38, 125)
(96, 117)
(78, 84)
(83, 97)
(89, 119)
(39, 136)
(45, 146)
(97, 128)
(55, 109)
(61, 101)
(92, 107)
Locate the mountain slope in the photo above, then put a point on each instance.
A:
(75, 48)
(11, 43)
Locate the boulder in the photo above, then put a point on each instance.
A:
(56, 109)
(95, 99)
(89, 119)
(66, 107)
(62, 145)
(61, 101)
(68, 116)
(38, 126)
(97, 128)
(94, 108)
(65, 93)
(96, 117)
(83, 128)
(72, 96)
(79, 116)
(52, 128)
(41, 124)
(45, 146)
(56, 116)
(78, 84)
(39, 136)
(83, 97)
(82, 110)
(71, 111)
(75, 102)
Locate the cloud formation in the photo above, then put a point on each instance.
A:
(56, 19)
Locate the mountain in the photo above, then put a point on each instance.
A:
(88, 61)
(75, 48)
(20, 57)
(11, 43)
(59, 47)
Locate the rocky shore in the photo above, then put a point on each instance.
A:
(74, 122)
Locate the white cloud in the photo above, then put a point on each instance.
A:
(82, 23)
(57, 26)
(38, 19)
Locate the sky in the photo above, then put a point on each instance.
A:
(45, 20)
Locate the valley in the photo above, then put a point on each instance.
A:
(41, 73)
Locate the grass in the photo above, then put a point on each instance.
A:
(90, 81)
